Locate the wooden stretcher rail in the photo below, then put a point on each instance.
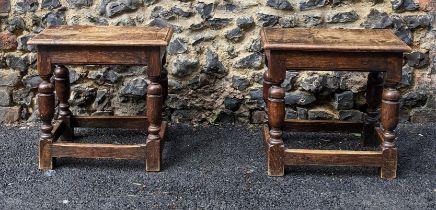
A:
(333, 157)
(379, 135)
(132, 122)
(115, 151)
(322, 126)
(78, 150)
(58, 129)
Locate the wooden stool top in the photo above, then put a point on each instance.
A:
(351, 40)
(103, 36)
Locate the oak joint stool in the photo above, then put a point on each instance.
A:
(379, 52)
(98, 45)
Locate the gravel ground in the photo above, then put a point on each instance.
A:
(218, 167)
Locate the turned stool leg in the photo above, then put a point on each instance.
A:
(266, 86)
(46, 104)
(373, 98)
(62, 86)
(389, 120)
(276, 117)
(154, 115)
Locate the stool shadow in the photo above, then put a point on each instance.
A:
(90, 164)
(110, 136)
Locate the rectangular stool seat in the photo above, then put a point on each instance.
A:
(352, 40)
(103, 36)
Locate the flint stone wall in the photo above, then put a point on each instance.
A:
(215, 61)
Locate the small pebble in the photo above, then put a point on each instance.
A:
(49, 173)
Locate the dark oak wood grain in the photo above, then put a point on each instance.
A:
(363, 50)
(276, 116)
(338, 61)
(46, 104)
(351, 40)
(390, 111)
(58, 129)
(333, 157)
(80, 35)
(78, 150)
(108, 55)
(62, 87)
(84, 45)
(44, 154)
